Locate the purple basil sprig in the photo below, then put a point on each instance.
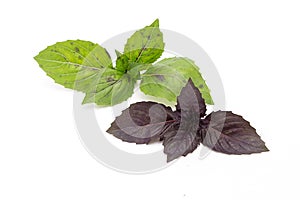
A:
(184, 129)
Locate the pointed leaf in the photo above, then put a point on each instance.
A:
(166, 78)
(190, 98)
(122, 62)
(75, 64)
(112, 91)
(142, 122)
(145, 45)
(229, 133)
(182, 139)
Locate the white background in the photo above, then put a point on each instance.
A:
(255, 46)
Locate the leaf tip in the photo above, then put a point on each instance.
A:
(265, 149)
(109, 130)
(190, 82)
(86, 101)
(118, 53)
(155, 23)
(37, 57)
(170, 158)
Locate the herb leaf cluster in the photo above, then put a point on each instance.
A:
(87, 67)
(184, 129)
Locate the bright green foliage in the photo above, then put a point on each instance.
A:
(87, 67)
(75, 64)
(167, 77)
(122, 62)
(145, 45)
(112, 92)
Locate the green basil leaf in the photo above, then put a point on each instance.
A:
(166, 78)
(122, 62)
(112, 91)
(75, 64)
(145, 45)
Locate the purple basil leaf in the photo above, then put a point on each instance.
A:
(190, 98)
(142, 123)
(228, 133)
(182, 138)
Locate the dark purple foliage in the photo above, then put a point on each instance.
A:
(142, 122)
(229, 133)
(183, 130)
